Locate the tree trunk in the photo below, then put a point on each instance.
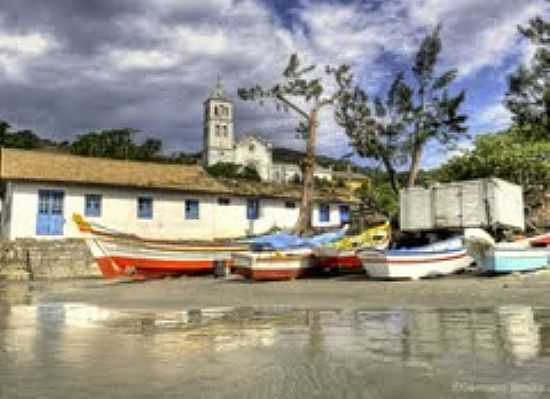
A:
(304, 225)
(415, 163)
(392, 174)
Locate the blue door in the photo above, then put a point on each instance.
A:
(50, 220)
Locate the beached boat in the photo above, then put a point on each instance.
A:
(274, 265)
(542, 240)
(282, 256)
(442, 258)
(118, 254)
(341, 255)
(510, 257)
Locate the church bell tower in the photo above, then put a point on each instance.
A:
(218, 136)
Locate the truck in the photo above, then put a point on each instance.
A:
(487, 203)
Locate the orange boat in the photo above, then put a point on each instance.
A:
(125, 255)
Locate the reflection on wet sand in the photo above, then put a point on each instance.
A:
(48, 347)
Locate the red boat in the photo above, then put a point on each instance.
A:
(542, 240)
(118, 254)
(339, 261)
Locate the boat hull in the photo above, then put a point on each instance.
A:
(414, 265)
(271, 266)
(496, 260)
(116, 259)
(333, 259)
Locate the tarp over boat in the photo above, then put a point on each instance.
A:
(283, 241)
(376, 236)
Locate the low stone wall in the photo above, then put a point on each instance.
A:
(46, 259)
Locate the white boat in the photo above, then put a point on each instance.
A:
(274, 265)
(442, 258)
(122, 255)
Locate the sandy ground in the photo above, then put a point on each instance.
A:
(342, 292)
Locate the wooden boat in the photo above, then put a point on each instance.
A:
(118, 254)
(542, 240)
(442, 258)
(274, 265)
(495, 257)
(342, 254)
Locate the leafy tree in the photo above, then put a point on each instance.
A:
(306, 98)
(528, 96)
(233, 171)
(249, 173)
(379, 197)
(116, 144)
(395, 130)
(24, 139)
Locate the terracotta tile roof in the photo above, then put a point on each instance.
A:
(289, 191)
(66, 168)
(58, 167)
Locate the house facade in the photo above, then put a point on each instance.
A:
(41, 191)
(251, 149)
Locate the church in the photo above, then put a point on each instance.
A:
(220, 143)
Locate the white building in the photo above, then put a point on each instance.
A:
(251, 149)
(41, 190)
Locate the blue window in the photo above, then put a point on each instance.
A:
(50, 219)
(253, 209)
(145, 208)
(324, 213)
(92, 205)
(191, 209)
(344, 214)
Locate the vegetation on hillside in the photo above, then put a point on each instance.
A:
(287, 155)
(233, 171)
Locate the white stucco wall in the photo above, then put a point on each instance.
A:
(119, 211)
(251, 151)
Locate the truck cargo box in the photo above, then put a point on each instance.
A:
(487, 203)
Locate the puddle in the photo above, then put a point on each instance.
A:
(279, 351)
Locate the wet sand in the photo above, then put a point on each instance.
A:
(343, 292)
(457, 337)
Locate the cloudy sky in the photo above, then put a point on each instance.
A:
(71, 66)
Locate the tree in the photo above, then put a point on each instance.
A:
(232, 170)
(528, 96)
(395, 130)
(116, 144)
(306, 98)
(24, 139)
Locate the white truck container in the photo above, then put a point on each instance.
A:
(473, 203)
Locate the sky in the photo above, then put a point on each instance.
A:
(68, 67)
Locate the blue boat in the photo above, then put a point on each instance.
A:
(507, 260)
(494, 257)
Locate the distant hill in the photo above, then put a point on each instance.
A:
(287, 155)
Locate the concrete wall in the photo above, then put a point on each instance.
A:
(119, 211)
(37, 259)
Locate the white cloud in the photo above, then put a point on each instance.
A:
(17, 50)
(170, 52)
(477, 34)
(142, 59)
(495, 117)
